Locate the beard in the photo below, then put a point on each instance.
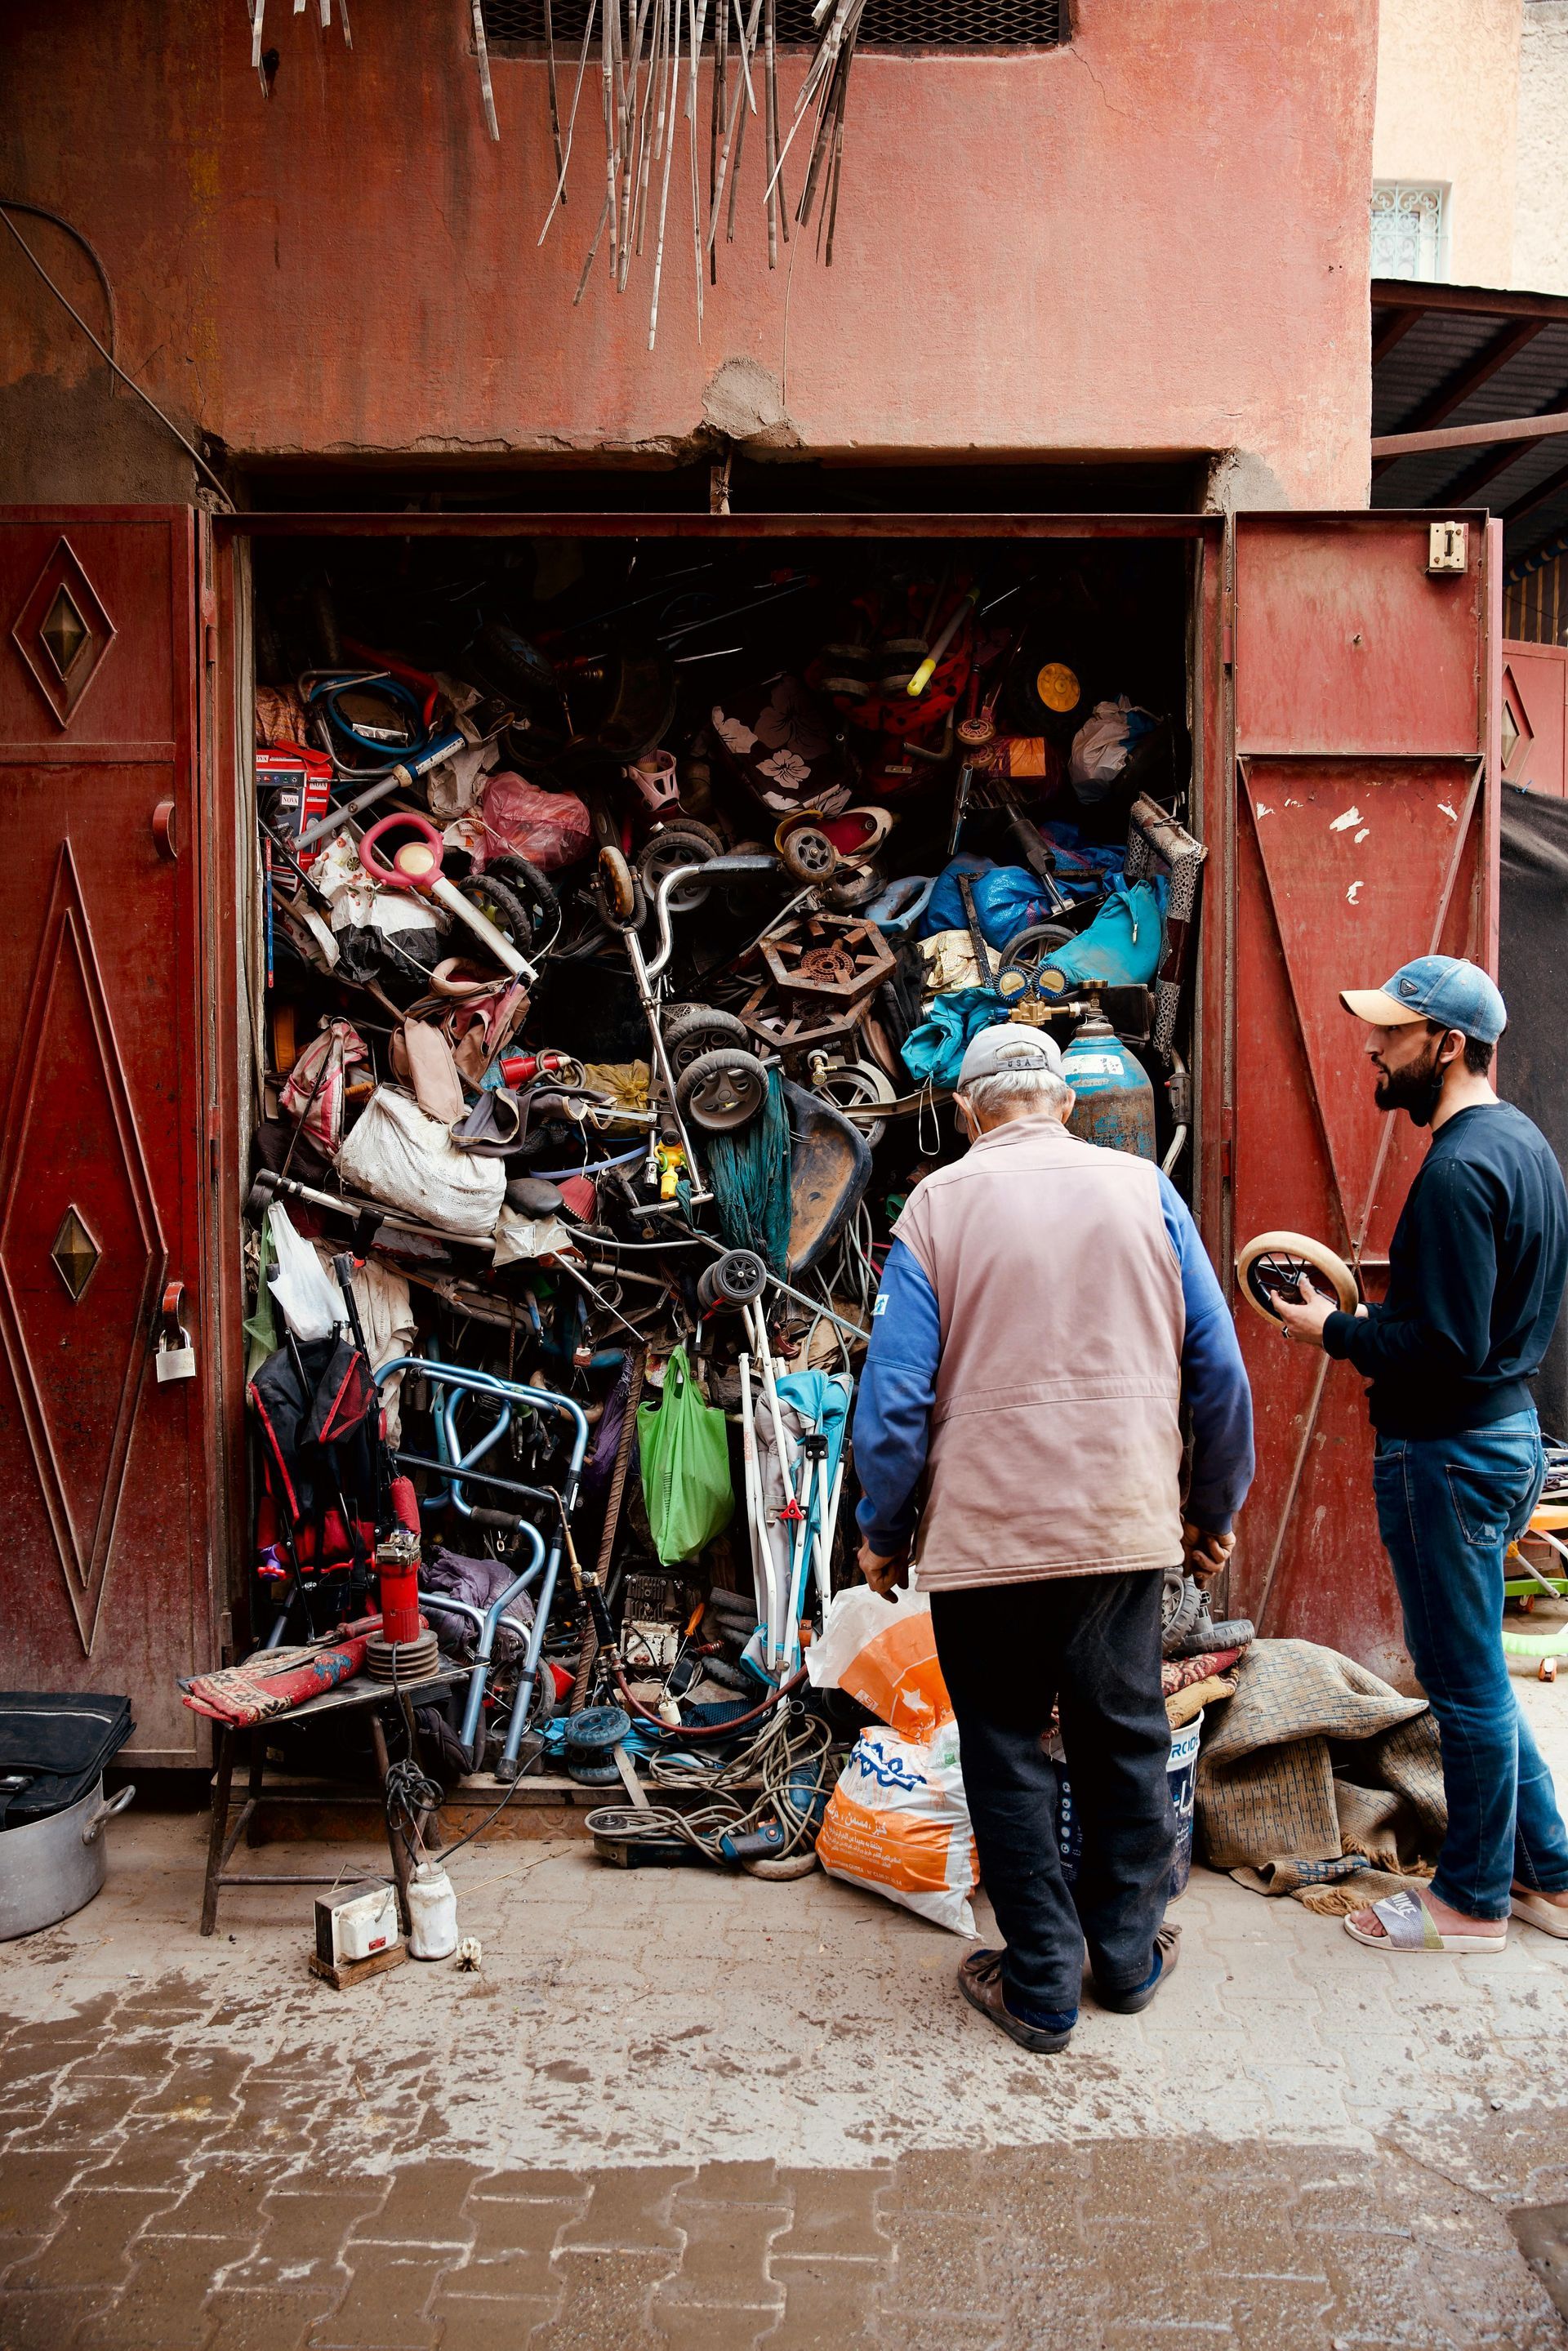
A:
(1418, 1088)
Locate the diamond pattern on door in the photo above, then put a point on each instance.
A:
(63, 631)
(75, 1207)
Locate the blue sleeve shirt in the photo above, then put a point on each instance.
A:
(898, 1388)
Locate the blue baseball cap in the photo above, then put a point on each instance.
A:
(1434, 987)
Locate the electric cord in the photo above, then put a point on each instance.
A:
(6, 207)
(791, 1755)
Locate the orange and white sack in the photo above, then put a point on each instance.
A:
(883, 1652)
(897, 1824)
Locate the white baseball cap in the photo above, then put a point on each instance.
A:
(1005, 1050)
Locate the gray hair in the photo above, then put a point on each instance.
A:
(1018, 1089)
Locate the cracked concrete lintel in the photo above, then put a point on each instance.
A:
(1240, 481)
(744, 403)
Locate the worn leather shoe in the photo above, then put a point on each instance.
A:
(980, 1982)
(1167, 1949)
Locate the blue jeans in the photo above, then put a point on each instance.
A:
(1448, 1508)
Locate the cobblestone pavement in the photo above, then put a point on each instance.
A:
(676, 2108)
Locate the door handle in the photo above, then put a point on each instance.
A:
(163, 831)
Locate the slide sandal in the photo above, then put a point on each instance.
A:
(1409, 1926)
(1536, 1911)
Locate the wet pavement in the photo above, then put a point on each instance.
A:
(677, 2108)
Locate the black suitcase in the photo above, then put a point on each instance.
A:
(54, 1748)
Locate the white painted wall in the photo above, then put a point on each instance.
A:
(1541, 173)
(1448, 110)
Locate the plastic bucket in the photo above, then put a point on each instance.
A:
(1181, 1769)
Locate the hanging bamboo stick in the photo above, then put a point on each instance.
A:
(558, 198)
(554, 91)
(648, 140)
(697, 12)
(737, 126)
(592, 250)
(667, 132)
(482, 51)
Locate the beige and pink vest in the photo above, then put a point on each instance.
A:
(1055, 1439)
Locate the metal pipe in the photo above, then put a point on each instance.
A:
(512, 1392)
(469, 1733)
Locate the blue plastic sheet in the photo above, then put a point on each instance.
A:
(1008, 899)
(936, 1049)
(1121, 947)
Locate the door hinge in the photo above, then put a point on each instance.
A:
(215, 1138)
(1227, 640)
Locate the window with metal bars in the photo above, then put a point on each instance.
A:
(886, 25)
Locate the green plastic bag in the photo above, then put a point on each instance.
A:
(684, 1448)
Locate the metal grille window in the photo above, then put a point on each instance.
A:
(886, 25)
(1409, 229)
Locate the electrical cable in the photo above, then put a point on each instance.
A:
(57, 220)
(103, 352)
(781, 1756)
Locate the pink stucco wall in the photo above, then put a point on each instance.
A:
(1154, 240)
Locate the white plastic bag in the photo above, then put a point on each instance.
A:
(309, 1299)
(883, 1653)
(397, 1155)
(517, 1236)
(898, 1825)
(1101, 745)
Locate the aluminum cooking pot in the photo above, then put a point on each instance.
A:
(49, 1868)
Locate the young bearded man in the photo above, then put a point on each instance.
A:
(1476, 1277)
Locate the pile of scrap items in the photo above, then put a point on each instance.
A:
(622, 914)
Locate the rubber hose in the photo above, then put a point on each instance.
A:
(799, 1865)
(687, 1732)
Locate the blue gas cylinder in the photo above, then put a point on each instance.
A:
(1116, 1104)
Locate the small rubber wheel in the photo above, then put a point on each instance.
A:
(693, 1030)
(1273, 1262)
(722, 1090)
(501, 906)
(808, 854)
(858, 1087)
(1024, 955)
(673, 846)
(620, 891)
(1181, 1606)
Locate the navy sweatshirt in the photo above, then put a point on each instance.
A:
(898, 1388)
(1476, 1273)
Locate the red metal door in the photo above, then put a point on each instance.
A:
(1533, 717)
(104, 1481)
(1363, 834)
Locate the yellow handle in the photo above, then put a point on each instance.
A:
(922, 678)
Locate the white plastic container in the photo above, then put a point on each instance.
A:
(432, 1912)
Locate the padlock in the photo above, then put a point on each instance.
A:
(174, 1362)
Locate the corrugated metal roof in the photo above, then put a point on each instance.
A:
(1455, 328)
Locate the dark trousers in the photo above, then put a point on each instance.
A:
(1090, 1643)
